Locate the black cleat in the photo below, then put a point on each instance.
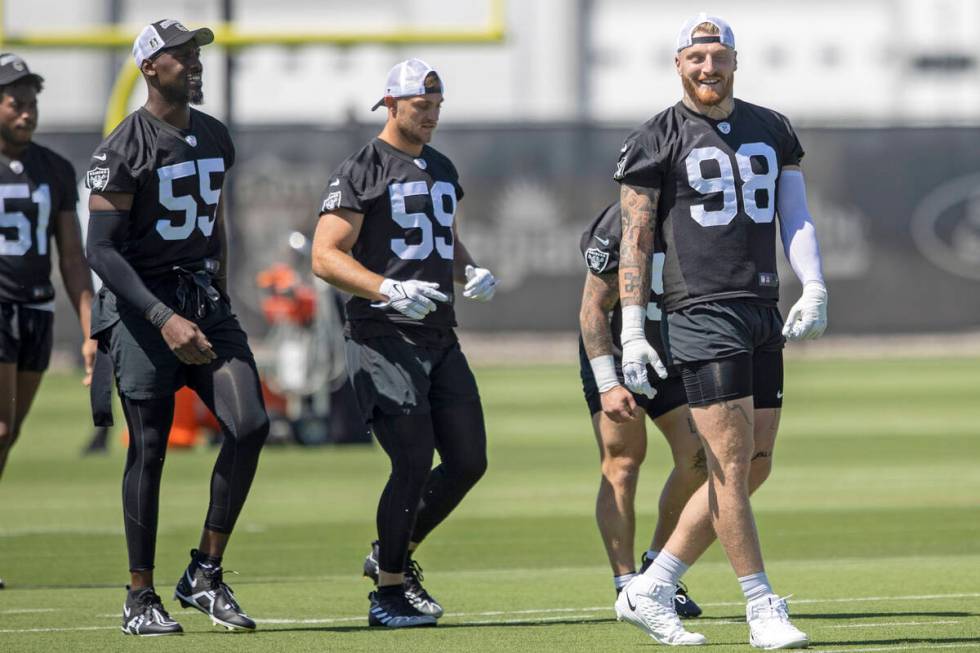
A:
(417, 597)
(202, 588)
(392, 610)
(684, 605)
(143, 615)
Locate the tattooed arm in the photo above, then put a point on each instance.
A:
(639, 206)
(598, 298)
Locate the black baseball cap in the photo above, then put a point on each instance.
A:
(167, 33)
(13, 68)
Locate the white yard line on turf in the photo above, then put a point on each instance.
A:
(899, 647)
(884, 624)
(29, 610)
(57, 630)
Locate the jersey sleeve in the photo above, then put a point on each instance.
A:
(600, 242)
(69, 185)
(792, 152)
(641, 161)
(341, 193)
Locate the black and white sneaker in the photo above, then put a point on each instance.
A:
(203, 588)
(417, 596)
(143, 615)
(684, 604)
(392, 610)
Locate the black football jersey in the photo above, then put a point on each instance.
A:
(600, 247)
(33, 190)
(175, 177)
(409, 204)
(717, 208)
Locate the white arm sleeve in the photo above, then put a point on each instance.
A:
(796, 227)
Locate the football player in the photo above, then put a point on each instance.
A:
(387, 235)
(156, 238)
(618, 415)
(37, 201)
(708, 176)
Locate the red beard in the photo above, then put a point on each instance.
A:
(708, 96)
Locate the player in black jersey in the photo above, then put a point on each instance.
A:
(37, 201)
(387, 235)
(707, 176)
(618, 415)
(156, 238)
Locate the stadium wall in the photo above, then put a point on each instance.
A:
(897, 211)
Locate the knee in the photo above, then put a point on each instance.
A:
(622, 472)
(468, 472)
(252, 429)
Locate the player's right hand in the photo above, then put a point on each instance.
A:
(411, 298)
(637, 354)
(618, 404)
(187, 341)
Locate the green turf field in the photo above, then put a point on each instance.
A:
(871, 519)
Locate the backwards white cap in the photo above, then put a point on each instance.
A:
(407, 79)
(685, 38)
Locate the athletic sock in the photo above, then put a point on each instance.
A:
(652, 554)
(666, 569)
(619, 582)
(755, 586)
(390, 590)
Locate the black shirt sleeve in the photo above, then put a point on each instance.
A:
(641, 160)
(600, 242)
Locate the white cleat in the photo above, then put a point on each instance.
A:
(769, 625)
(650, 607)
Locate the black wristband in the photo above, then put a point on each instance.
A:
(158, 314)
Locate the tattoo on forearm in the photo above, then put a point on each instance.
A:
(729, 406)
(598, 298)
(639, 208)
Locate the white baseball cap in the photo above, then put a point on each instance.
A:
(163, 34)
(407, 79)
(686, 38)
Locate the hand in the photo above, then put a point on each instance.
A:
(187, 341)
(637, 354)
(411, 298)
(807, 319)
(480, 284)
(618, 404)
(89, 347)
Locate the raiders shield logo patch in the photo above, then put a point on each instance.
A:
(332, 202)
(97, 178)
(596, 259)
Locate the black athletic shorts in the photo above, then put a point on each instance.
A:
(727, 350)
(143, 364)
(670, 391)
(25, 337)
(394, 377)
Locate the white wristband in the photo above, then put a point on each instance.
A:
(604, 371)
(634, 321)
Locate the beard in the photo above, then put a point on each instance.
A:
(709, 96)
(195, 96)
(414, 136)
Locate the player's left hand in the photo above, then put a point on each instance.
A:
(807, 319)
(89, 347)
(637, 354)
(480, 284)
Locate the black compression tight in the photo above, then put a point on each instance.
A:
(230, 389)
(418, 498)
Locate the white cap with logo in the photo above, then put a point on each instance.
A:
(686, 38)
(164, 34)
(407, 79)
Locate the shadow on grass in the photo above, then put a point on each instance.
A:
(522, 623)
(901, 640)
(844, 616)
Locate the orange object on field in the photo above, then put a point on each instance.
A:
(190, 416)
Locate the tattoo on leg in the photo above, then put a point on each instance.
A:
(738, 408)
(762, 454)
(700, 461)
(692, 426)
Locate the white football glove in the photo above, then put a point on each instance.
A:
(480, 284)
(808, 317)
(638, 353)
(411, 298)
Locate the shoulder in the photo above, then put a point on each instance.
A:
(440, 159)
(52, 158)
(765, 115)
(660, 128)
(210, 123)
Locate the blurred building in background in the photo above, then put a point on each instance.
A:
(885, 95)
